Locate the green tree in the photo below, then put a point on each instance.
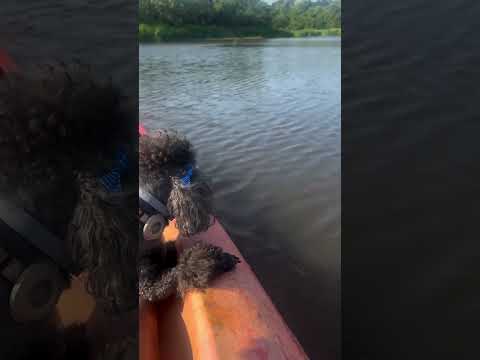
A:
(281, 15)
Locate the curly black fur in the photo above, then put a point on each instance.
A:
(100, 240)
(200, 264)
(191, 206)
(160, 275)
(61, 109)
(60, 126)
(163, 158)
(162, 162)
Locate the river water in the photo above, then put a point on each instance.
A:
(265, 120)
(410, 170)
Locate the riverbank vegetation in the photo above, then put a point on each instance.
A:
(169, 20)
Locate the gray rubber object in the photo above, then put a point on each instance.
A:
(154, 226)
(36, 292)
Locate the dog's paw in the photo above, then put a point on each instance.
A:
(159, 288)
(227, 262)
(200, 264)
(157, 278)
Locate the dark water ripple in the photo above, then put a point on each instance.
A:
(409, 143)
(265, 119)
(101, 33)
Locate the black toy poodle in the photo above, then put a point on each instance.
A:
(167, 173)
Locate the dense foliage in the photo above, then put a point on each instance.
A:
(306, 14)
(281, 15)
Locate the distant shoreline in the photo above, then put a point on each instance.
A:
(158, 33)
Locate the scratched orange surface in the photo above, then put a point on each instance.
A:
(234, 319)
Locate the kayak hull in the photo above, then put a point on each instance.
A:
(233, 319)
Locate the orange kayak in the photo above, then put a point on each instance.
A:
(233, 319)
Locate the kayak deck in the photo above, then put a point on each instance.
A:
(233, 319)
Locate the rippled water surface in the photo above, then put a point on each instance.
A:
(410, 180)
(100, 33)
(265, 119)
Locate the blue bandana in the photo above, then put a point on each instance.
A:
(187, 178)
(112, 181)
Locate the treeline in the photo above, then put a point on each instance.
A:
(281, 15)
(298, 15)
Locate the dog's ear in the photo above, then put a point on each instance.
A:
(191, 205)
(103, 242)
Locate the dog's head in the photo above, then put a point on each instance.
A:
(167, 171)
(60, 129)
